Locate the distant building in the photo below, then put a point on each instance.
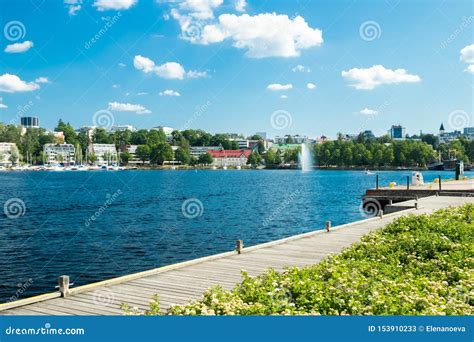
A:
(368, 135)
(122, 128)
(166, 130)
(469, 132)
(59, 137)
(29, 121)
(230, 157)
(294, 139)
(196, 151)
(59, 153)
(105, 153)
(446, 137)
(6, 150)
(242, 143)
(88, 130)
(322, 139)
(132, 149)
(397, 132)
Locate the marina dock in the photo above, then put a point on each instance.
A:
(179, 283)
(385, 197)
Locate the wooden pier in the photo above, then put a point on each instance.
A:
(385, 197)
(179, 283)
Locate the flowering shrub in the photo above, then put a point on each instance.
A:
(417, 265)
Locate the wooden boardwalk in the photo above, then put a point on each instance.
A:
(177, 284)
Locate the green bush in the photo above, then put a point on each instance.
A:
(417, 265)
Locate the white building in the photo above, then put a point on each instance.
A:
(105, 153)
(296, 139)
(6, 152)
(122, 128)
(196, 151)
(132, 149)
(59, 153)
(243, 143)
(230, 157)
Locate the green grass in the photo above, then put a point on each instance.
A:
(417, 265)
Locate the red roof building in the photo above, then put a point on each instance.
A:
(230, 157)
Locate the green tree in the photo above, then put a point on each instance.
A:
(92, 158)
(125, 157)
(254, 159)
(143, 153)
(160, 153)
(205, 159)
(182, 155)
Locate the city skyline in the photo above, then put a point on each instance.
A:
(309, 69)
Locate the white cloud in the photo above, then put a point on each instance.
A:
(105, 5)
(200, 9)
(142, 93)
(278, 87)
(311, 86)
(115, 86)
(143, 63)
(128, 107)
(73, 6)
(377, 75)
(470, 69)
(122, 65)
(13, 84)
(367, 111)
(262, 35)
(169, 92)
(301, 68)
(42, 80)
(19, 47)
(283, 96)
(3, 106)
(169, 70)
(467, 54)
(240, 5)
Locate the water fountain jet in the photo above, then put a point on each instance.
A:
(305, 158)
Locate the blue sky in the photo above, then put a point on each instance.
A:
(240, 66)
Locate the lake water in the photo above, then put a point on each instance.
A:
(98, 225)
